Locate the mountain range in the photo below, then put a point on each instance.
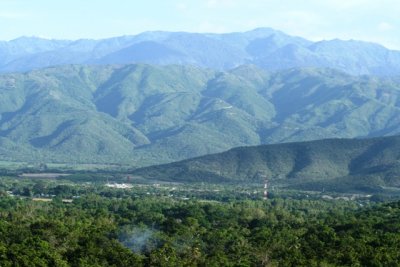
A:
(140, 114)
(267, 48)
(344, 165)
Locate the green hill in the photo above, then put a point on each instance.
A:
(333, 164)
(145, 115)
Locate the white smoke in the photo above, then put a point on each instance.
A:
(139, 239)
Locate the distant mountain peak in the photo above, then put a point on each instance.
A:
(267, 30)
(266, 47)
(28, 38)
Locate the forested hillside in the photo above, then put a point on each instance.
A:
(142, 114)
(346, 165)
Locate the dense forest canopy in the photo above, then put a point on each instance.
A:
(155, 226)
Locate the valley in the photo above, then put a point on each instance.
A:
(178, 224)
(177, 148)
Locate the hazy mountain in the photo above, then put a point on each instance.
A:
(143, 114)
(264, 47)
(364, 165)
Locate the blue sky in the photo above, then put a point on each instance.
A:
(369, 20)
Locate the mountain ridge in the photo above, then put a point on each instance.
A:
(144, 114)
(365, 165)
(265, 47)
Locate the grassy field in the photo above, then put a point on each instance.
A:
(18, 165)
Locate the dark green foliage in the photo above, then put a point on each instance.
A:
(341, 165)
(160, 231)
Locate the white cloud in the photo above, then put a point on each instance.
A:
(207, 26)
(220, 3)
(299, 22)
(12, 15)
(346, 4)
(182, 6)
(384, 27)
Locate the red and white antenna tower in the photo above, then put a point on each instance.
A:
(265, 188)
(264, 177)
